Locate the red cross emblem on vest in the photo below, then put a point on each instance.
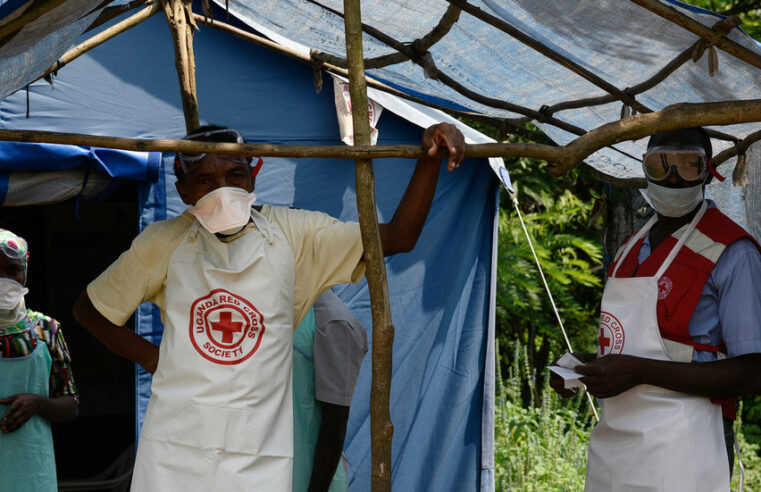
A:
(225, 328)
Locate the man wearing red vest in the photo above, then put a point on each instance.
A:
(680, 334)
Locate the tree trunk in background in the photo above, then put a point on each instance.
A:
(619, 221)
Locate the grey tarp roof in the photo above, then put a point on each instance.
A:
(617, 40)
(36, 47)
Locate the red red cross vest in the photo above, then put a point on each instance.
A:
(680, 286)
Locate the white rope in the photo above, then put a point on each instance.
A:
(741, 481)
(549, 294)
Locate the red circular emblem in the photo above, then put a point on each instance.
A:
(664, 287)
(225, 328)
(612, 336)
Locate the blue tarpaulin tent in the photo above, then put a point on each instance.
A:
(441, 294)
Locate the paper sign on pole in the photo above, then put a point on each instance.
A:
(343, 111)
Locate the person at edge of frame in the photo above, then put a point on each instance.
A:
(680, 334)
(36, 383)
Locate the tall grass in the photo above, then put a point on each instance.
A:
(543, 448)
(538, 447)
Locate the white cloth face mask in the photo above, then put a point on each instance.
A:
(224, 209)
(11, 293)
(673, 202)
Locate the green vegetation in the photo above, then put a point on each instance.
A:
(538, 448)
(543, 448)
(749, 12)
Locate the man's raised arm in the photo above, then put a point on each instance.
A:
(401, 234)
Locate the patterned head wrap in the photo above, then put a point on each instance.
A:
(14, 247)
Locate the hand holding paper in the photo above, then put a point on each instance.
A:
(565, 369)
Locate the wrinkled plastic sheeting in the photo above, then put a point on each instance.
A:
(39, 44)
(621, 42)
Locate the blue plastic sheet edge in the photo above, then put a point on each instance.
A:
(121, 164)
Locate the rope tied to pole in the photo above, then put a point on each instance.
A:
(720, 31)
(629, 106)
(740, 173)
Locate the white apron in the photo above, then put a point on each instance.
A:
(220, 417)
(650, 438)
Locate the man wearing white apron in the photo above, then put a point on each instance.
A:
(680, 333)
(232, 281)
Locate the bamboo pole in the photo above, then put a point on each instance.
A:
(381, 428)
(695, 27)
(33, 13)
(102, 37)
(180, 24)
(563, 157)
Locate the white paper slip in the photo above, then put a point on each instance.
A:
(565, 369)
(569, 361)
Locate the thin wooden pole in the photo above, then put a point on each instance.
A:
(179, 18)
(695, 27)
(548, 52)
(740, 148)
(537, 151)
(381, 428)
(420, 45)
(720, 28)
(102, 37)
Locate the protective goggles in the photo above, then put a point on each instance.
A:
(690, 162)
(14, 247)
(223, 135)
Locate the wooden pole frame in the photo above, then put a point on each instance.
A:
(179, 15)
(562, 158)
(671, 14)
(381, 428)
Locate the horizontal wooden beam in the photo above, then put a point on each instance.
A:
(561, 158)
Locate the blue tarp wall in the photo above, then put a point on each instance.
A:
(440, 293)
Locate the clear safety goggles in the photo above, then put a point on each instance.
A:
(690, 162)
(222, 135)
(13, 246)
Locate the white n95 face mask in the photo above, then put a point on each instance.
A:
(673, 202)
(224, 210)
(11, 293)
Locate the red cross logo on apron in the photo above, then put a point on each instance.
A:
(603, 341)
(225, 328)
(612, 335)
